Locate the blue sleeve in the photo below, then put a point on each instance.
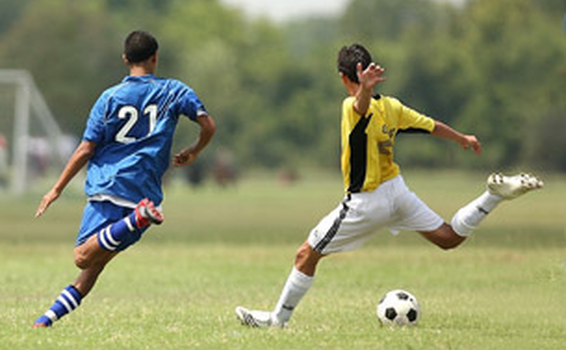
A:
(189, 104)
(95, 125)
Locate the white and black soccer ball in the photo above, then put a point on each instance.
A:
(398, 308)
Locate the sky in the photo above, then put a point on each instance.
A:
(283, 10)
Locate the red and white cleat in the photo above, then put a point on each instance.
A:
(147, 213)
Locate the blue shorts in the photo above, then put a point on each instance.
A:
(98, 215)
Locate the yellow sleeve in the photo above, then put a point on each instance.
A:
(411, 119)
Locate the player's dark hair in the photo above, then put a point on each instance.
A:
(139, 46)
(348, 59)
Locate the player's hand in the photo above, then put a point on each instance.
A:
(371, 76)
(46, 201)
(471, 141)
(186, 157)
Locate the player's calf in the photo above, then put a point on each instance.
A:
(68, 300)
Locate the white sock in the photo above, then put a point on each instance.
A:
(469, 217)
(295, 288)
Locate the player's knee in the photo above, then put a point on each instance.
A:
(447, 245)
(450, 243)
(303, 253)
(81, 260)
(446, 238)
(307, 259)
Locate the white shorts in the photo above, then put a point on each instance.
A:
(392, 205)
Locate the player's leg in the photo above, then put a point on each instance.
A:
(343, 229)
(298, 283)
(444, 237)
(114, 235)
(499, 189)
(466, 220)
(91, 252)
(90, 269)
(412, 214)
(71, 297)
(93, 255)
(296, 286)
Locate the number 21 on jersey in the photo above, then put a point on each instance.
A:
(131, 114)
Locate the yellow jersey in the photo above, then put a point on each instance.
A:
(367, 141)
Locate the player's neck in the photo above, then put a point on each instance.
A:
(352, 89)
(138, 70)
(139, 73)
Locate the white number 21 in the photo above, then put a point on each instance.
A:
(131, 114)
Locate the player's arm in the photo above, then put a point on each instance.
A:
(368, 79)
(466, 141)
(207, 130)
(79, 158)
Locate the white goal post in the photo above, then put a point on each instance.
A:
(28, 99)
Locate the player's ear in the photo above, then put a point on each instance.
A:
(344, 78)
(125, 60)
(153, 58)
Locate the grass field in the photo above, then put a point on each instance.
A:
(503, 289)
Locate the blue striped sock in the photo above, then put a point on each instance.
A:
(110, 237)
(68, 300)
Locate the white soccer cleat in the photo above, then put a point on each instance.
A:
(257, 319)
(509, 187)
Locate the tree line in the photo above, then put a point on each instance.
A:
(495, 68)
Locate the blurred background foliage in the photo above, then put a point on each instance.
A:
(495, 68)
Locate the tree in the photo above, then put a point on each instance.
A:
(10, 11)
(518, 58)
(492, 68)
(72, 57)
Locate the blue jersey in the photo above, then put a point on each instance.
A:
(132, 125)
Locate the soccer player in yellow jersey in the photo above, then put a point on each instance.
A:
(376, 196)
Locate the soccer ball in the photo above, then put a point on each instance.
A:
(398, 308)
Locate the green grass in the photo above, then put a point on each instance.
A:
(177, 288)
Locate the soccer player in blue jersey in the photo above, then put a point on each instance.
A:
(127, 145)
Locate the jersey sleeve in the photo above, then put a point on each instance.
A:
(189, 104)
(411, 120)
(94, 130)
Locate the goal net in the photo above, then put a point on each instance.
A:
(31, 142)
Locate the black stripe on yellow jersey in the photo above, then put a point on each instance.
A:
(367, 141)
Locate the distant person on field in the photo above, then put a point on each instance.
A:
(376, 195)
(224, 169)
(3, 161)
(127, 145)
